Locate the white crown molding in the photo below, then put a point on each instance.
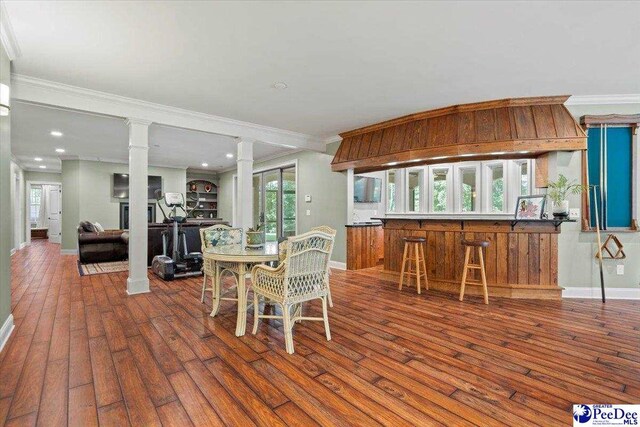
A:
(332, 139)
(257, 162)
(39, 91)
(7, 36)
(603, 99)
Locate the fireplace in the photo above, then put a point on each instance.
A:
(124, 214)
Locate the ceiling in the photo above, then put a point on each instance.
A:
(346, 64)
(93, 137)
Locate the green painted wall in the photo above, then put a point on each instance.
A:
(576, 249)
(86, 194)
(42, 176)
(328, 191)
(70, 203)
(6, 227)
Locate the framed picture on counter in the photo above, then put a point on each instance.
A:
(530, 207)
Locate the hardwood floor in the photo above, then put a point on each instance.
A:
(83, 353)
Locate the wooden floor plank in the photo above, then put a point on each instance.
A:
(85, 353)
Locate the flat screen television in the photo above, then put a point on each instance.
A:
(121, 186)
(366, 189)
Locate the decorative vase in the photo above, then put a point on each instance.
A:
(255, 239)
(193, 186)
(208, 188)
(560, 210)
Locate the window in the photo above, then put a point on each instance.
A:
(497, 188)
(439, 190)
(35, 199)
(610, 168)
(391, 191)
(523, 178)
(274, 202)
(414, 182)
(467, 189)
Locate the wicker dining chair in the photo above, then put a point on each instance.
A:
(301, 277)
(282, 252)
(330, 231)
(218, 235)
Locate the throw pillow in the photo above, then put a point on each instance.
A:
(99, 228)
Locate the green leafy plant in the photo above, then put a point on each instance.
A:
(255, 229)
(558, 190)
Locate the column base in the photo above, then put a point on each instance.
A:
(137, 286)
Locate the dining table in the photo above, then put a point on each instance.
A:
(239, 259)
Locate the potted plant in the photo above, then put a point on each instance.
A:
(558, 191)
(255, 236)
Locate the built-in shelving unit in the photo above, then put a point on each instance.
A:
(207, 193)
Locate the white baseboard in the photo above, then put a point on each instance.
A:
(338, 265)
(12, 252)
(5, 331)
(610, 293)
(68, 252)
(23, 245)
(137, 286)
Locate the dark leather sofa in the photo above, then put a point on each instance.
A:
(113, 245)
(105, 246)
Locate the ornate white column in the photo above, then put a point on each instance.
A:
(244, 195)
(138, 282)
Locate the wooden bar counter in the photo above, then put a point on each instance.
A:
(521, 260)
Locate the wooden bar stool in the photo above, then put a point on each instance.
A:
(469, 244)
(414, 253)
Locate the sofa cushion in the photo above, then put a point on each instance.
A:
(219, 237)
(99, 228)
(87, 227)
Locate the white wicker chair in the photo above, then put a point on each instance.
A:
(218, 235)
(301, 277)
(330, 231)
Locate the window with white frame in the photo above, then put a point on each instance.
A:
(414, 183)
(391, 191)
(440, 189)
(488, 187)
(467, 188)
(35, 199)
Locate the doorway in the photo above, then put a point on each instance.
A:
(274, 202)
(44, 211)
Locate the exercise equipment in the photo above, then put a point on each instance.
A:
(181, 263)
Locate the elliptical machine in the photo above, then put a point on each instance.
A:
(181, 263)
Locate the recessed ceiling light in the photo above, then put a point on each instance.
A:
(59, 150)
(42, 167)
(229, 156)
(56, 133)
(37, 159)
(280, 85)
(204, 165)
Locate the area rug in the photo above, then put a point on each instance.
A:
(102, 267)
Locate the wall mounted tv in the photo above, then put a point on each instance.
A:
(366, 189)
(121, 186)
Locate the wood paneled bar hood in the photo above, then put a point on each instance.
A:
(506, 128)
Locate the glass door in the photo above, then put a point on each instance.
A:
(274, 201)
